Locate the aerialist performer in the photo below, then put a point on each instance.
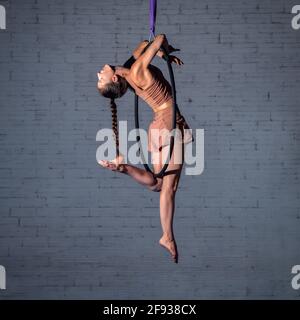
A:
(148, 82)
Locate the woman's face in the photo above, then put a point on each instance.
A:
(105, 76)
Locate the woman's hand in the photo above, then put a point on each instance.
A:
(163, 41)
(160, 53)
(176, 60)
(171, 49)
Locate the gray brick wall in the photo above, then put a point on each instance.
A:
(63, 231)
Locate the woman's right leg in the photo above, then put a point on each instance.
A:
(167, 198)
(144, 177)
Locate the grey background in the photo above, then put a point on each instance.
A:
(71, 229)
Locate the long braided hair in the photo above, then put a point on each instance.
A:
(114, 123)
(114, 90)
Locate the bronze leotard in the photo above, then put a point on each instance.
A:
(156, 95)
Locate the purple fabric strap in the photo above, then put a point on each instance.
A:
(152, 17)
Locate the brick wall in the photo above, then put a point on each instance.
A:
(71, 229)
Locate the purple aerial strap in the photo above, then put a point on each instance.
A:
(152, 18)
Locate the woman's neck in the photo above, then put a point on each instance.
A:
(121, 71)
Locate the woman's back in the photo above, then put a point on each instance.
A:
(159, 90)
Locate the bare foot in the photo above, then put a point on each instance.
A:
(112, 166)
(118, 160)
(115, 164)
(171, 246)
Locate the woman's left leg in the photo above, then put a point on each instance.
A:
(139, 175)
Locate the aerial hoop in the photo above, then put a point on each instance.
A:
(152, 20)
(175, 109)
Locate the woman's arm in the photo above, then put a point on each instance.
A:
(140, 49)
(143, 46)
(135, 54)
(152, 49)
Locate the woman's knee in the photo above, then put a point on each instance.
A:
(169, 190)
(171, 182)
(157, 186)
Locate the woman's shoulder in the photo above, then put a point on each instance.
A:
(141, 80)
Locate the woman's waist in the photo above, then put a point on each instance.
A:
(163, 107)
(167, 113)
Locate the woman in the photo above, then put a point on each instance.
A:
(149, 84)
